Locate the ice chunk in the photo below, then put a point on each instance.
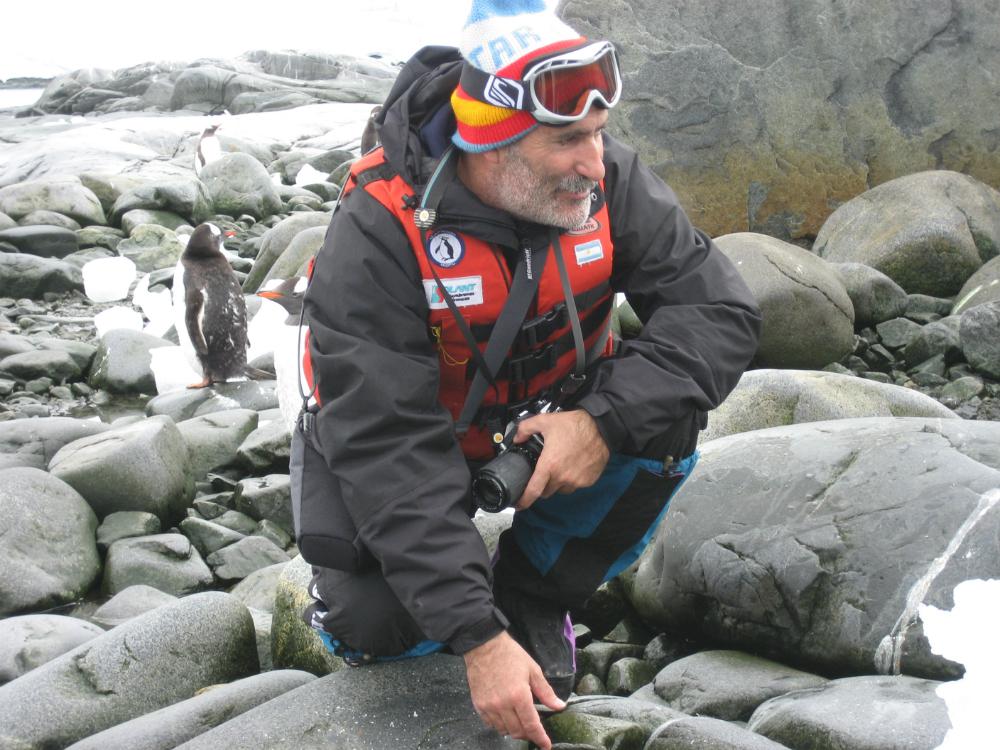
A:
(156, 306)
(117, 317)
(266, 328)
(171, 369)
(108, 279)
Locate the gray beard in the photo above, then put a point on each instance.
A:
(519, 191)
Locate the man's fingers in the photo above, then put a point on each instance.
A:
(544, 693)
(531, 726)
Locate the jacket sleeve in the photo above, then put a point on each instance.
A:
(382, 431)
(700, 321)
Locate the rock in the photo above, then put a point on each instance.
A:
(67, 196)
(898, 333)
(588, 730)
(167, 562)
(239, 184)
(928, 232)
(598, 657)
(876, 297)
(701, 731)
(151, 246)
(727, 684)
(628, 675)
(47, 550)
(770, 398)
(81, 351)
(978, 329)
(208, 537)
(982, 286)
(184, 197)
(259, 588)
(238, 560)
(295, 645)
(141, 466)
(104, 237)
(6, 222)
(808, 316)
(941, 337)
(710, 87)
(139, 216)
(41, 241)
(241, 522)
(214, 439)
(276, 240)
(960, 390)
(48, 218)
(28, 641)
(267, 448)
(123, 361)
(268, 497)
(126, 523)
(416, 702)
(11, 343)
(128, 604)
(30, 365)
(23, 275)
(173, 725)
(33, 442)
(299, 252)
(250, 394)
(802, 543)
(156, 660)
(863, 712)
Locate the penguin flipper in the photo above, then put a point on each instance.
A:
(193, 317)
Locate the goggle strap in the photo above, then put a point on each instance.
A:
(491, 89)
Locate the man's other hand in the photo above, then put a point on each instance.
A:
(574, 455)
(502, 679)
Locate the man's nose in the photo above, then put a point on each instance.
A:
(590, 160)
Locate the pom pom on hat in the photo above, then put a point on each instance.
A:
(503, 37)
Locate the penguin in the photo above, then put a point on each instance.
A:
(208, 149)
(290, 346)
(369, 138)
(210, 313)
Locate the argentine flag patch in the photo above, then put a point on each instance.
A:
(589, 252)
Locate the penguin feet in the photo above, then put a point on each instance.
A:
(205, 382)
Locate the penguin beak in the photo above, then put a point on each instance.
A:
(270, 294)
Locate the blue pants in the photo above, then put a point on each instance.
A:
(560, 549)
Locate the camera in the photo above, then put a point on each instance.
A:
(501, 482)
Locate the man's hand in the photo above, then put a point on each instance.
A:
(574, 455)
(502, 679)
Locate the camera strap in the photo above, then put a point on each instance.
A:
(572, 383)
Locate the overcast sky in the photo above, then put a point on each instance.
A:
(115, 34)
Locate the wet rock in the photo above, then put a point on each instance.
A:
(24, 275)
(40, 363)
(295, 645)
(123, 361)
(167, 562)
(28, 641)
(33, 442)
(214, 439)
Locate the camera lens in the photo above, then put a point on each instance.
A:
(490, 493)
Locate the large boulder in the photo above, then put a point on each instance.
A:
(123, 361)
(239, 184)
(767, 116)
(156, 660)
(276, 240)
(48, 554)
(300, 250)
(43, 241)
(876, 297)
(29, 641)
(140, 466)
(58, 365)
(928, 232)
(213, 439)
(151, 247)
(187, 198)
(24, 275)
(808, 315)
(978, 335)
(983, 286)
(33, 442)
(771, 398)
(168, 562)
(814, 544)
(67, 196)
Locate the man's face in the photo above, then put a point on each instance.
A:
(549, 174)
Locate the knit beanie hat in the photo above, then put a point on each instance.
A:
(503, 37)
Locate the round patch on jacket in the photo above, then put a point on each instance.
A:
(446, 248)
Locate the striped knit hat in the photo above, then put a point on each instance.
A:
(502, 37)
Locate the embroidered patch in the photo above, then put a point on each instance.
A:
(446, 248)
(590, 226)
(465, 292)
(589, 252)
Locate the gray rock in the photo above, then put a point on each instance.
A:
(47, 550)
(941, 337)
(727, 684)
(128, 604)
(6, 222)
(81, 351)
(12, 343)
(213, 439)
(646, 714)
(267, 448)
(238, 560)
(702, 731)
(597, 657)
(927, 305)
(123, 361)
(186, 198)
(898, 333)
(928, 232)
(156, 660)
(33, 442)
(798, 543)
(628, 675)
(295, 645)
(585, 730)
(416, 702)
(982, 286)
(167, 562)
(257, 395)
(299, 252)
(274, 532)
(208, 537)
(67, 196)
(259, 588)
(808, 316)
(139, 216)
(43, 217)
(961, 389)
(876, 297)
(239, 184)
(41, 241)
(857, 712)
(28, 641)
(169, 727)
(978, 329)
(126, 523)
(151, 247)
(268, 497)
(237, 521)
(770, 398)
(103, 237)
(276, 240)
(140, 466)
(23, 275)
(58, 365)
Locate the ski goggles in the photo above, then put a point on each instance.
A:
(557, 90)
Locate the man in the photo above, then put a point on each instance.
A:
(467, 280)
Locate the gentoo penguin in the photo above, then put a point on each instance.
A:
(210, 313)
(369, 138)
(208, 149)
(289, 347)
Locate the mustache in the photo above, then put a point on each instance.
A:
(577, 184)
